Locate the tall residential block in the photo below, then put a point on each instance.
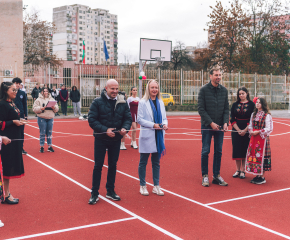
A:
(76, 24)
(11, 40)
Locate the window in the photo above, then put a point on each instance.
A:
(80, 22)
(287, 22)
(81, 17)
(80, 11)
(276, 23)
(81, 28)
(287, 31)
(81, 44)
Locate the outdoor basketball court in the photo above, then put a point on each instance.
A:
(55, 191)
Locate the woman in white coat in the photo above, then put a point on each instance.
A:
(152, 119)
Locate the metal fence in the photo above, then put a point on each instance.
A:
(183, 85)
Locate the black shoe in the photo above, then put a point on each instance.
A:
(254, 179)
(260, 180)
(50, 149)
(94, 198)
(113, 196)
(14, 201)
(242, 175)
(24, 152)
(41, 149)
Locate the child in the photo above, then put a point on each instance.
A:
(5, 140)
(258, 158)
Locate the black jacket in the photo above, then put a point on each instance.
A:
(21, 102)
(102, 116)
(213, 105)
(75, 95)
(35, 92)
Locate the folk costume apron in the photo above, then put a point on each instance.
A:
(258, 150)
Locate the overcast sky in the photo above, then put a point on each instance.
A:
(179, 20)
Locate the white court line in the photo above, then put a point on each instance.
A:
(108, 201)
(71, 229)
(196, 202)
(249, 196)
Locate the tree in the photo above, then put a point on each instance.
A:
(36, 36)
(180, 59)
(227, 35)
(266, 30)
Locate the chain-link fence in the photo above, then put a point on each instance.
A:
(182, 85)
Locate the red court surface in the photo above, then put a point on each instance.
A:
(55, 191)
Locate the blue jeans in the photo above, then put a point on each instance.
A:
(113, 156)
(218, 147)
(45, 128)
(155, 159)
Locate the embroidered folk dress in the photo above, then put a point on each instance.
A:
(11, 154)
(133, 105)
(241, 114)
(259, 152)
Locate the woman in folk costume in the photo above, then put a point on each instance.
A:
(259, 153)
(6, 141)
(152, 119)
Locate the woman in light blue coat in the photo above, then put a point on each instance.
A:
(152, 119)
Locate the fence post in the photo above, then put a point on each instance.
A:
(255, 81)
(49, 75)
(271, 88)
(140, 80)
(181, 87)
(239, 79)
(81, 91)
(202, 77)
(159, 79)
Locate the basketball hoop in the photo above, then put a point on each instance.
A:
(159, 61)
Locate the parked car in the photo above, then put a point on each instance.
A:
(167, 98)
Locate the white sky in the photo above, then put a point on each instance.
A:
(179, 20)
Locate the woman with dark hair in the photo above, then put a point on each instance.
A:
(75, 97)
(47, 86)
(240, 117)
(133, 102)
(10, 123)
(45, 117)
(259, 153)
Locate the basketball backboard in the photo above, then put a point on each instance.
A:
(150, 49)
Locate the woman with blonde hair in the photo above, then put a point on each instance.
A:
(152, 120)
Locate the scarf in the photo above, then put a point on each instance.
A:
(158, 120)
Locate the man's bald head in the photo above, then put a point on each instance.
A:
(111, 81)
(112, 88)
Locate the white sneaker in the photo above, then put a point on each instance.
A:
(134, 145)
(157, 190)
(122, 147)
(143, 191)
(1, 224)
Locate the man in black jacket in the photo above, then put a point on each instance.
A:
(110, 118)
(213, 108)
(21, 103)
(35, 92)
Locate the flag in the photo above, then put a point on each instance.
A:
(106, 51)
(84, 50)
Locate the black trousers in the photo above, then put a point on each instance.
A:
(63, 107)
(113, 156)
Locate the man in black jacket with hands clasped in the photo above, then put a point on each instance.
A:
(110, 118)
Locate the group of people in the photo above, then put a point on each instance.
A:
(252, 125)
(111, 116)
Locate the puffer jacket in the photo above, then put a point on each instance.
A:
(40, 102)
(213, 104)
(101, 116)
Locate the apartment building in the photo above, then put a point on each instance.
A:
(79, 23)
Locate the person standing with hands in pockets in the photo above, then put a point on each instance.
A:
(152, 119)
(110, 118)
(213, 108)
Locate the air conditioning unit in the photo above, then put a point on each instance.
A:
(8, 73)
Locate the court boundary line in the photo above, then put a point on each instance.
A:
(248, 196)
(72, 229)
(109, 201)
(193, 201)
